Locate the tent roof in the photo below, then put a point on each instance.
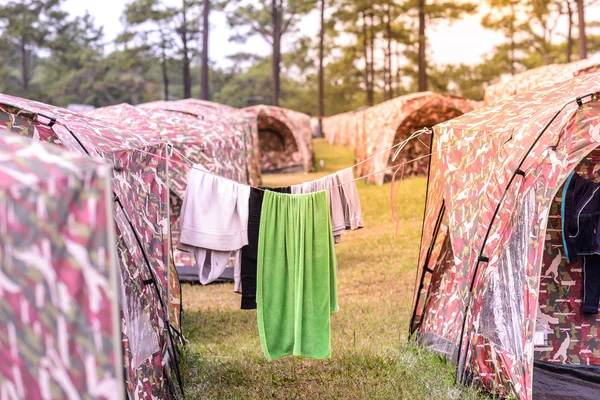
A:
(529, 108)
(207, 142)
(231, 120)
(540, 76)
(29, 163)
(93, 134)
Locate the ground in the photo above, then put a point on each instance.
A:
(372, 358)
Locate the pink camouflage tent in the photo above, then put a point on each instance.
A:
(380, 127)
(60, 335)
(194, 140)
(284, 137)
(494, 291)
(141, 203)
(340, 129)
(236, 124)
(540, 76)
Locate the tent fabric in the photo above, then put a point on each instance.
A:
(380, 127)
(341, 129)
(535, 77)
(140, 186)
(60, 335)
(285, 138)
(233, 121)
(510, 158)
(205, 142)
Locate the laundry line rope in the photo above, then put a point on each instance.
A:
(400, 145)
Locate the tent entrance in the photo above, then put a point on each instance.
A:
(424, 117)
(279, 150)
(566, 341)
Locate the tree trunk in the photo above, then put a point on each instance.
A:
(421, 59)
(513, 45)
(569, 31)
(399, 56)
(372, 67)
(321, 110)
(276, 62)
(582, 35)
(204, 95)
(187, 78)
(24, 65)
(365, 52)
(164, 68)
(389, 51)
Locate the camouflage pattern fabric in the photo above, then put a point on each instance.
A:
(535, 77)
(476, 155)
(232, 122)
(380, 127)
(341, 129)
(572, 337)
(60, 335)
(285, 138)
(141, 185)
(205, 142)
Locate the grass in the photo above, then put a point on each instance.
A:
(371, 356)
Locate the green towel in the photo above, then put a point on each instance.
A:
(296, 286)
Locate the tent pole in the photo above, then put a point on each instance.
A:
(412, 328)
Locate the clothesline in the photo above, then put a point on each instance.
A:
(415, 134)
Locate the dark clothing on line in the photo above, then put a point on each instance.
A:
(250, 252)
(591, 284)
(581, 234)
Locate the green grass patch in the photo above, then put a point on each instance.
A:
(371, 356)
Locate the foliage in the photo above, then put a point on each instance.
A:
(371, 51)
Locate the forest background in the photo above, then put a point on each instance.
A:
(366, 51)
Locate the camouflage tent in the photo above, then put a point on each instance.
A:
(491, 269)
(540, 76)
(341, 129)
(141, 200)
(285, 139)
(380, 127)
(233, 121)
(60, 335)
(194, 140)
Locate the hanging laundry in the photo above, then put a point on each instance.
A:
(214, 223)
(344, 203)
(250, 252)
(350, 199)
(581, 234)
(296, 281)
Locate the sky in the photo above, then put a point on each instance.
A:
(464, 41)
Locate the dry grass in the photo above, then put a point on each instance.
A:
(371, 356)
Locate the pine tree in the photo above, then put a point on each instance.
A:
(271, 20)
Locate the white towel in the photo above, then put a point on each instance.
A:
(214, 223)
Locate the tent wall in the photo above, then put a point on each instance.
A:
(140, 185)
(60, 335)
